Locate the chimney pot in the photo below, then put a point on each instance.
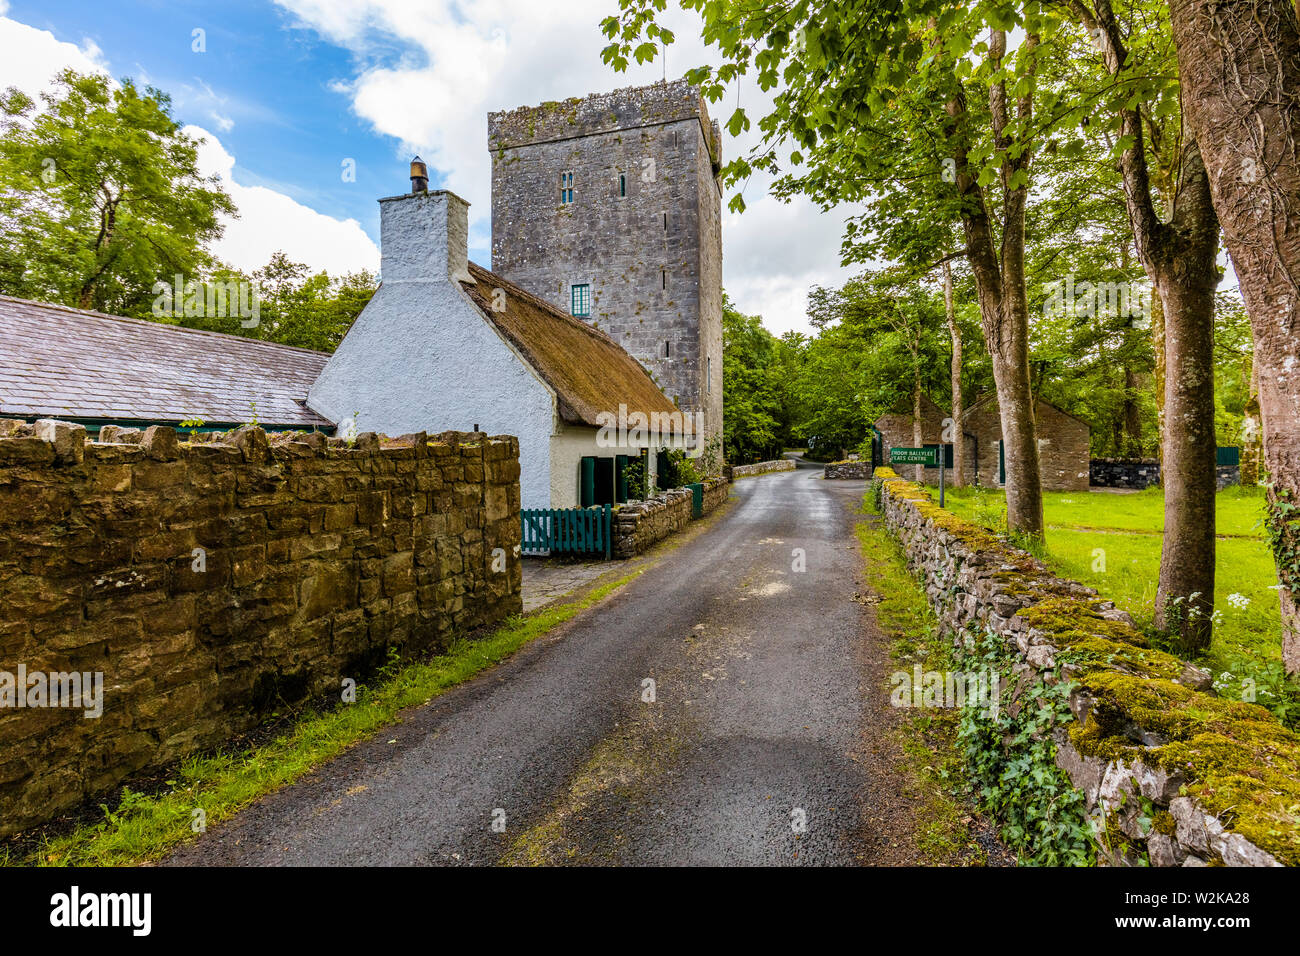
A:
(419, 176)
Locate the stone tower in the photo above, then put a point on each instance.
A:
(610, 208)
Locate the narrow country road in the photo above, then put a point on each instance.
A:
(757, 748)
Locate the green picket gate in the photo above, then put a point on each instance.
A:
(568, 530)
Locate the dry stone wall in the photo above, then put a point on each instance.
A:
(760, 468)
(1123, 472)
(848, 469)
(640, 524)
(1172, 774)
(210, 582)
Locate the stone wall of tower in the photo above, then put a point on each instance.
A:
(643, 229)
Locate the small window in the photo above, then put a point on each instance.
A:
(708, 376)
(622, 184)
(665, 222)
(580, 300)
(566, 188)
(667, 349)
(663, 277)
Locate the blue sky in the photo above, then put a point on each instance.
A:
(286, 91)
(290, 131)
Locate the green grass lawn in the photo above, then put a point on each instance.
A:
(1112, 542)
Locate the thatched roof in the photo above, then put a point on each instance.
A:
(589, 371)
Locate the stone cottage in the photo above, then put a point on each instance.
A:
(1064, 445)
(894, 430)
(446, 344)
(1063, 442)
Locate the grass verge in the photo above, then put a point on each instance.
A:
(1112, 542)
(928, 735)
(145, 828)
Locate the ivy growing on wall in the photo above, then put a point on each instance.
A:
(1011, 760)
(1282, 524)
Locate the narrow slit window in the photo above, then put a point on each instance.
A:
(665, 222)
(663, 278)
(622, 184)
(667, 349)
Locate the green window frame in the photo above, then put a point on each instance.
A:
(566, 188)
(580, 300)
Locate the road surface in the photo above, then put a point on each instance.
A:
(756, 743)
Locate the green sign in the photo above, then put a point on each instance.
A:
(914, 456)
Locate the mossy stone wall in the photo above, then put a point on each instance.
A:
(1173, 775)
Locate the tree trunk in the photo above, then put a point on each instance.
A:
(917, 437)
(1004, 310)
(954, 330)
(1179, 257)
(1252, 434)
(1185, 596)
(1132, 417)
(1239, 67)
(1158, 346)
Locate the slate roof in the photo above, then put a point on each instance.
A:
(588, 370)
(60, 362)
(991, 396)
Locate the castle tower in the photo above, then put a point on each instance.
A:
(610, 207)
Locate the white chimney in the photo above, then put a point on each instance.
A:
(424, 237)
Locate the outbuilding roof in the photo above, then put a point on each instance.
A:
(60, 362)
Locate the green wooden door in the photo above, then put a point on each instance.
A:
(588, 482)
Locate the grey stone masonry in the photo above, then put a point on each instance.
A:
(760, 468)
(639, 524)
(848, 469)
(1171, 773)
(640, 223)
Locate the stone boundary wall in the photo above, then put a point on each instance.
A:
(848, 469)
(1144, 472)
(1222, 777)
(760, 468)
(212, 582)
(640, 524)
(1123, 472)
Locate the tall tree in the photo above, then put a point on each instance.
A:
(1239, 66)
(100, 195)
(845, 72)
(954, 369)
(1179, 256)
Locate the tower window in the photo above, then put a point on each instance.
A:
(667, 349)
(665, 222)
(566, 188)
(708, 376)
(580, 300)
(663, 277)
(622, 184)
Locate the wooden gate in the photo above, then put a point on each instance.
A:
(568, 530)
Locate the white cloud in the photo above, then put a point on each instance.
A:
(463, 61)
(272, 222)
(30, 58)
(269, 220)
